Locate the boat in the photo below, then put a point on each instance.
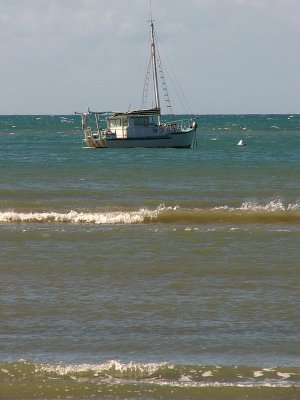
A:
(241, 143)
(144, 127)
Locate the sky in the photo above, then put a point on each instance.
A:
(225, 56)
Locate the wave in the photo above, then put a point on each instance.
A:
(76, 217)
(148, 381)
(185, 375)
(248, 212)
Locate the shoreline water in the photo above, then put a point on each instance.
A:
(179, 265)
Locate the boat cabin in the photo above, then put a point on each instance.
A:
(133, 125)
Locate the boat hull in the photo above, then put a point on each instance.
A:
(180, 140)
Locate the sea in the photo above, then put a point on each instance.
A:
(150, 273)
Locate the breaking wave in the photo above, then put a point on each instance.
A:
(114, 379)
(76, 217)
(248, 212)
(181, 375)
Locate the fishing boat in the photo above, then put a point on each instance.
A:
(144, 127)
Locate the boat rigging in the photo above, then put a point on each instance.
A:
(142, 127)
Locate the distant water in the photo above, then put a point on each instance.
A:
(150, 273)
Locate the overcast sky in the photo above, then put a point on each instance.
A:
(230, 56)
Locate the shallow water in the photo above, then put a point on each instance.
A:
(182, 266)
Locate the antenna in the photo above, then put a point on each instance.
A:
(151, 19)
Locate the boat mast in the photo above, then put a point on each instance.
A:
(154, 67)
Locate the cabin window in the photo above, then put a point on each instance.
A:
(141, 121)
(113, 123)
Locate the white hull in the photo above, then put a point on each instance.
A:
(182, 139)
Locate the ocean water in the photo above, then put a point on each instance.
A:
(150, 273)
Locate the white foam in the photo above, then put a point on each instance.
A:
(186, 383)
(223, 208)
(185, 378)
(294, 207)
(274, 205)
(6, 371)
(257, 374)
(135, 216)
(64, 369)
(283, 375)
(145, 371)
(106, 217)
(116, 217)
(207, 373)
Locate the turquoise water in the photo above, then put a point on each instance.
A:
(150, 273)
